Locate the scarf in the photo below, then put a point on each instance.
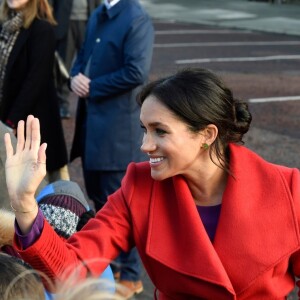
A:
(8, 35)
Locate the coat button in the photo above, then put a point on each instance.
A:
(98, 40)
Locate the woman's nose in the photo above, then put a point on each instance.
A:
(148, 144)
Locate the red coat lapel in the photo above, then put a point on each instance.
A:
(257, 227)
(177, 237)
(252, 232)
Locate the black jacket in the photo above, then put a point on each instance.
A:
(29, 88)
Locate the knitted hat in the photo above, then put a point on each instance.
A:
(63, 203)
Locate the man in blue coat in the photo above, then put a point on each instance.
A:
(112, 64)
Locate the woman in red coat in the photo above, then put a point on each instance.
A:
(210, 218)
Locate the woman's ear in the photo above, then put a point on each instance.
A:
(210, 133)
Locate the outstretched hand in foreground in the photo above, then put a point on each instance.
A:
(25, 169)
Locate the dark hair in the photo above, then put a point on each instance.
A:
(18, 280)
(198, 97)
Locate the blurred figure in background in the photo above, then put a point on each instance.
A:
(27, 45)
(18, 280)
(89, 289)
(71, 16)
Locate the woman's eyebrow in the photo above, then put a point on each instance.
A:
(154, 124)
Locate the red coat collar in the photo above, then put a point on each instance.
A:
(251, 237)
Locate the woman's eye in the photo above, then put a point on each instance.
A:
(157, 130)
(160, 131)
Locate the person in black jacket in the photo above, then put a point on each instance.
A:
(27, 45)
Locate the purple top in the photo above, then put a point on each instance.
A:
(36, 230)
(210, 218)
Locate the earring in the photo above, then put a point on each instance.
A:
(205, 146)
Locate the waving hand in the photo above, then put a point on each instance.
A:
(25, 169)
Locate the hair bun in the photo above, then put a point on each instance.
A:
(243, 116)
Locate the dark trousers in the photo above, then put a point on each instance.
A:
(100, 184)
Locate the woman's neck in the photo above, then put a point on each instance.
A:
(208, 187)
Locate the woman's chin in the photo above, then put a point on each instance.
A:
(158, 175)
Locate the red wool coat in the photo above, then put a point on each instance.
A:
(253, 256)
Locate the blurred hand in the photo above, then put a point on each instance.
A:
(25, 169)
(80, 85)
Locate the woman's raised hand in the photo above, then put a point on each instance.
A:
(25, 169)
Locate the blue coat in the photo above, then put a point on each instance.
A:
(119, 42)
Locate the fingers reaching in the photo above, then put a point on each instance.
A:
(35, 134)
(8, 146)
(42, 154)
(28, 140)
(29, 143)
(20, 136)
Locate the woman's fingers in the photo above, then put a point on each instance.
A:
(35, 135)
(32, 140)
(8, 146)
(28, 139)
(42, 154)
(20, 136)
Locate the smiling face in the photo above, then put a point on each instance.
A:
(172, 148)
(16, 4)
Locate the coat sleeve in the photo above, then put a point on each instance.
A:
(40, 55)
(89, 251)
(137, 55)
